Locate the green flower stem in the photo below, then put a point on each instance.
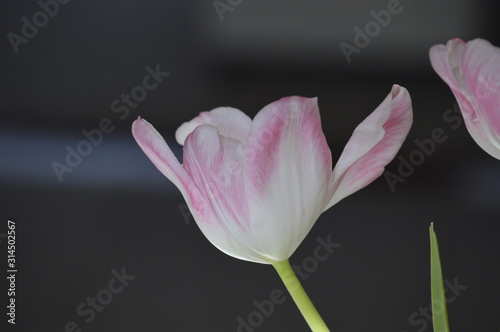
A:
(300, 297)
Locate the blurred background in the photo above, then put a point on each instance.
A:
(87, 201)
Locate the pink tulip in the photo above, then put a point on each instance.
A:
(256, 188)
(472, 70)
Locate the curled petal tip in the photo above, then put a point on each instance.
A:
(230, 122)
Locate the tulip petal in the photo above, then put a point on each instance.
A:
(230, 122)
(202, 209)
(216, 165)
(373, 144)
(288, 168)
(158, 151)
(481, 67)
(472, 70)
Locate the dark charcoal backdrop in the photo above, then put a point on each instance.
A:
(115, 210)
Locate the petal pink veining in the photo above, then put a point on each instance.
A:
(289, 167)
(162, 157)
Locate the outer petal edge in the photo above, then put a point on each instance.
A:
(374, 143)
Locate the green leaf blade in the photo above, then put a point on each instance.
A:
(439, 311)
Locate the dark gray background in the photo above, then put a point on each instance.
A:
(116, 210)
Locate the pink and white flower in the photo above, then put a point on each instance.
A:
(256, 188)
(472, 71)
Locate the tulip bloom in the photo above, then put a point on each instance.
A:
(256, 188)
(472, 71)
